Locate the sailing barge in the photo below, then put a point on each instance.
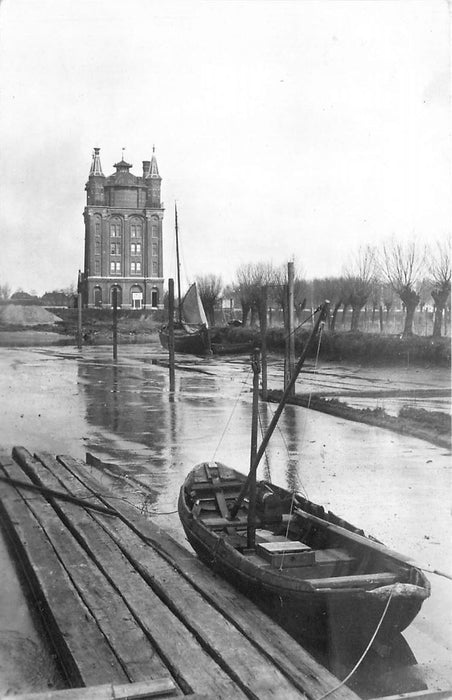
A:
(319, 576)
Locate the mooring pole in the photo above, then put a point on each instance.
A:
(264, 307)
(79, 320)
(114, 295)
(259, 454)
(172, 375)
(251, 525)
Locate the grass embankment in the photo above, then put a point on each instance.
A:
(433, 426)
(366, 348)
(97, 325)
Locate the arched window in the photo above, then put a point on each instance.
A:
(136, 228)
(154, 227)
(97, 292)
(118, 295)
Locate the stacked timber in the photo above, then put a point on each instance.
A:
(125, 605)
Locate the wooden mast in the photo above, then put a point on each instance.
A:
(321, 317)
(178, 267)
(251, 525)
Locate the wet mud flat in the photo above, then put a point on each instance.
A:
(396, 487)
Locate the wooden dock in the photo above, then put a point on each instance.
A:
(129, 611)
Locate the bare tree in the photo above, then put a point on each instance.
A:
(403, 267)
(439, 269)
(332, 289)
(5, 291)
(209, 287)
(359, 278)
(249, 280)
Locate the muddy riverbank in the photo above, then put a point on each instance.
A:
(394, 486)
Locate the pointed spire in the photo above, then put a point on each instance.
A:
(153, 169)
(96, 168)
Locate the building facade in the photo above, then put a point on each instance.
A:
(123, 237)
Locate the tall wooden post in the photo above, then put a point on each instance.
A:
(114, 295)
(172, 375)
(251, 526)
(264, 307)
(79, 320)
(290, 337)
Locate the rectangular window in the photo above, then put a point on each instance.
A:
(155, 267)
(133, 248)
(97, 267)
(97, 245)
(115, 267)
(155, 249)
(138, 247)
(132, 267)
(138, 267)
(115, 248)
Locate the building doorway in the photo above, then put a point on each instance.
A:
(118, 295)
(137, 297)
(154, 298)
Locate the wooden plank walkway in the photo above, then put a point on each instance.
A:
(124, 604)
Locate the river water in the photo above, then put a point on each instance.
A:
(398, 488)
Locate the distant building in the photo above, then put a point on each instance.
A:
(123, 237)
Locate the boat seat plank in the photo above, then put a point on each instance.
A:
(354, 581)
(229, 484)
(218, 523)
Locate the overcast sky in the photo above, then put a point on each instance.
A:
(284, 130)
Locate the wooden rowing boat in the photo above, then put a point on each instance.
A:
(319, 576)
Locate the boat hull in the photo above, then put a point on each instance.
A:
(193, 343)
(315, 616)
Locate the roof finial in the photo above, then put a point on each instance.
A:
(153, 148)
(123, 149)
(96, 168)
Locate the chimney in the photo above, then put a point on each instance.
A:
(146, 166)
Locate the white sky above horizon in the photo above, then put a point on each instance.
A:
(295, 129)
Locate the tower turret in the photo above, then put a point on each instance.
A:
(95, 185)
(153, 181)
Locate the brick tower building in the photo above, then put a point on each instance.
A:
(123, 236)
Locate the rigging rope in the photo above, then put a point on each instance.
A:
(244, 383)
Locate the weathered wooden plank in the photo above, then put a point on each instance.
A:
(355, 581)
(234, 652)
(420, 695)
(137, 656)
(158, 688)
(276, 644)
(189, 661)
(84, 654)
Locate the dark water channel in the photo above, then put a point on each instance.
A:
(66, 402)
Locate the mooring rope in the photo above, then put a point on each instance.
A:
(365, 652)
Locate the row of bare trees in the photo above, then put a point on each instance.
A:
(372, 278)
